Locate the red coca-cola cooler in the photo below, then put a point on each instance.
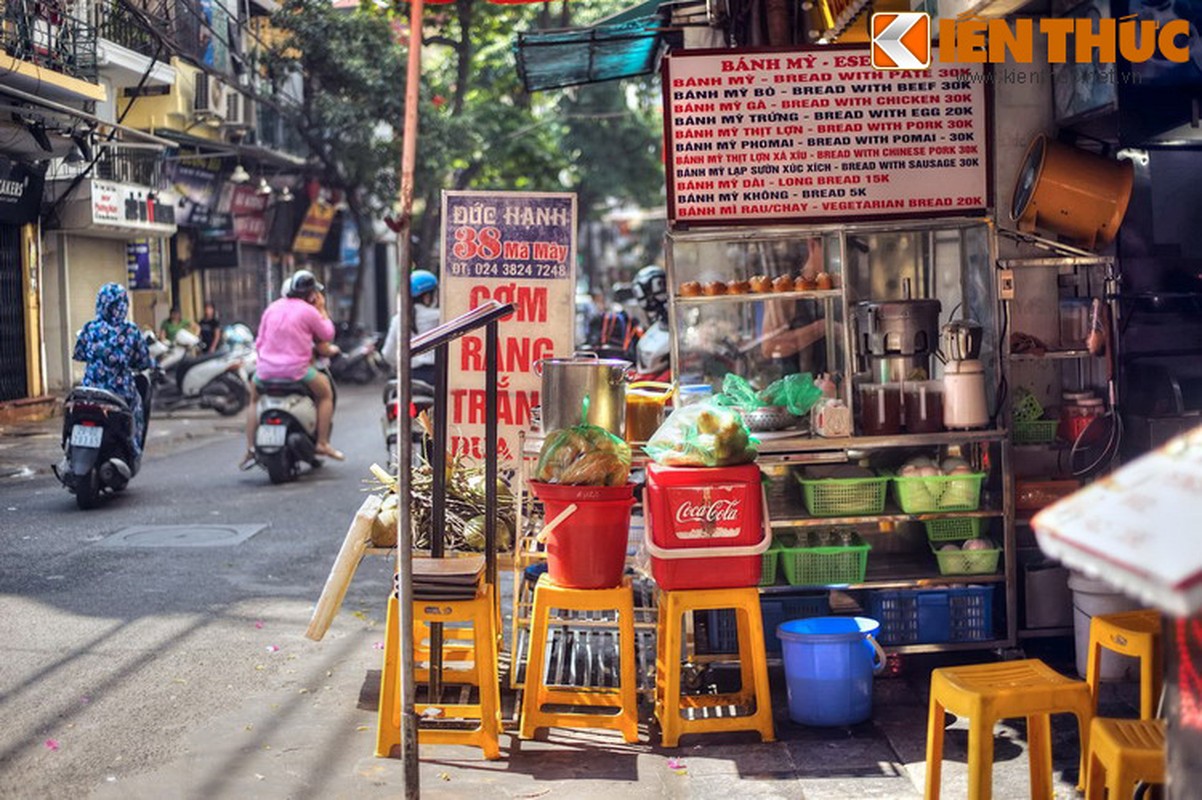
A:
(705, 526)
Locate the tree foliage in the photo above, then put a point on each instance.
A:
(479, 128)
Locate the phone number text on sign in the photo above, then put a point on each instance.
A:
(510, 240)
(821, 135)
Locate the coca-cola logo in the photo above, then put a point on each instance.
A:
(712, 512)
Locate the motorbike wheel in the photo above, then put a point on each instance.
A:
(279, 467)
(362, 373)
(87, 492)
(226, 395)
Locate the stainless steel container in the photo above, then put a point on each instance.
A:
(568, 381)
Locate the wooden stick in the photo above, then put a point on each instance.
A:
(358, 537)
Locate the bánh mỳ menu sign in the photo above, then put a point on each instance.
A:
(820, 135)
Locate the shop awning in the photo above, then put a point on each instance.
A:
(625, 45)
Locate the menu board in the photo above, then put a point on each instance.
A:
(513, 247)
(820, 135)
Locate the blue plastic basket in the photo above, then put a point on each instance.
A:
(931, 616)
(722, 635)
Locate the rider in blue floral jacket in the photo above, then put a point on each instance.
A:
(113, 349)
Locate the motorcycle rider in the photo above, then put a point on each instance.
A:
(654, 345)
(114, 350)
(288, 331)
(423, 289)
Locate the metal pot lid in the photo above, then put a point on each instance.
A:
(587, 362)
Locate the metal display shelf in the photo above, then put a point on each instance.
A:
(809, 444)
(1053, 355)
(894, 572)
(751, 297)
(891, 514)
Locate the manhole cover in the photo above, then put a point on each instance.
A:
(182, 535)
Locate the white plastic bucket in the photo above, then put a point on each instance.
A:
(1090, 598)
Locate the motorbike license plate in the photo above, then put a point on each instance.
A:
(86, 436)
(271, 435)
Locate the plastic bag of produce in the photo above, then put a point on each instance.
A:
(583, 455)
(702, 435)
(796, 392)
(737, 392)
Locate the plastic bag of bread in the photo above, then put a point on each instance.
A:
(583, 455)
(702, 435)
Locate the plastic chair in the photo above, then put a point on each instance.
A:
(1123, 752)
(753, 666)
(986, 693)
(478, 611)
(1129, 633)
(624, 699)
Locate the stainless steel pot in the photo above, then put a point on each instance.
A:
(568, 381)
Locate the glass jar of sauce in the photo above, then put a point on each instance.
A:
(880, 409)
(924, 407)
(1069, 403)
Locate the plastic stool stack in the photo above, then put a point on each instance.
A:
(538, 694)
(753, 664)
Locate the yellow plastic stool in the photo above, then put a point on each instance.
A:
(547, 596)
(458, 654)
(1123, 752)
(1129, 633)
(986, 693)
(479, 612)
(753, 666)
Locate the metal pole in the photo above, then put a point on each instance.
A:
(438, 513)
(490, 453)
(409, 755)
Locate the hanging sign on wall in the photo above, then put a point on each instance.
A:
(514, 247)
(819, 135)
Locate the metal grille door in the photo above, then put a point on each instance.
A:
(13, 384)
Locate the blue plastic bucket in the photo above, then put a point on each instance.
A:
(829, 664)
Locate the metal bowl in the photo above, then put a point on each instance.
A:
(768, 418)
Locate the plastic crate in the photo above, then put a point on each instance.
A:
(1033, 431)
(768, 565)
(1026, 406)
(953, 529)
(722, 635)
(823, 565)
(844, 497)
(966, 562)
(938, 493)
(933, 616)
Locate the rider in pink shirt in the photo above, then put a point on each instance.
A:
(288, 330)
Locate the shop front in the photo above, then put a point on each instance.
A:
(22, 373)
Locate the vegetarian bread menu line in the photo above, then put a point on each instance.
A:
(821, 135)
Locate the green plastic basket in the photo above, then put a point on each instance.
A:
(966, 562)
(939, 493)
(823, 565)
(768, 565)
(953, 529)
(1026, 408)
(844, 497)
(1034, 431)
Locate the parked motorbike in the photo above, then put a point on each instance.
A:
(98, 451)
(287, 434)
(421, 399)
(212, 380)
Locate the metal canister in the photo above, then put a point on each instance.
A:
(568, 382)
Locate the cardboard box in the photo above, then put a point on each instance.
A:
(1049, 603)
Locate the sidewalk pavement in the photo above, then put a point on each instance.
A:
(29, 448)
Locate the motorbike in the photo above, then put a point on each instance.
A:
(287, 434)
(360, 361)
(212, 380)
(98, 452)
(421, 399)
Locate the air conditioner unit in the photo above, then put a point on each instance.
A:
(210, 98)
(239, 110)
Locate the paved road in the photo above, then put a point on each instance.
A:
(120, 660)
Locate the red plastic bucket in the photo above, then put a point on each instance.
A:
(588, 549)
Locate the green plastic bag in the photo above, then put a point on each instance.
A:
(737, 393)
(702, 435)
(583, 455)
(796, 392)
